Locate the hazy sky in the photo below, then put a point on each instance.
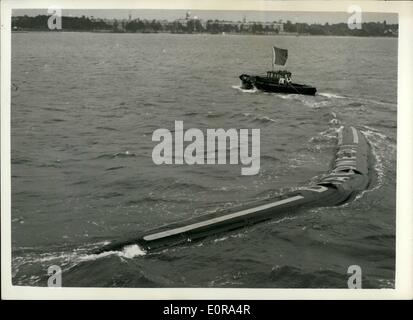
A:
(309, 17)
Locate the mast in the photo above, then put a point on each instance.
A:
(273, 58)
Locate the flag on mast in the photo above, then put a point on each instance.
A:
(279, 56)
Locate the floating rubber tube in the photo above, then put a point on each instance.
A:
(348, 176)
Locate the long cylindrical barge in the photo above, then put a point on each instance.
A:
(348, 176)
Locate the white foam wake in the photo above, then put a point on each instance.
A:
(330, 95)
(128, 252)
(71, 258)
(377, 141)
(238, 87)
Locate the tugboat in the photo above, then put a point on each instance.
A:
(278, 81)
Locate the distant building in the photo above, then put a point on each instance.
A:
(251, 26)
(184, 21)
(164, 23)
(275, 26)
(233, 26)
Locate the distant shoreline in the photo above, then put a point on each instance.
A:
(291, 34)
(194, 25)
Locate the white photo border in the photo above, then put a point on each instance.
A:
(404, 205)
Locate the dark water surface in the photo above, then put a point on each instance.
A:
(82, 172)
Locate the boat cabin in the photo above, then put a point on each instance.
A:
(280, 76)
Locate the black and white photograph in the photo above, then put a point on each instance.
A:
(203, 148)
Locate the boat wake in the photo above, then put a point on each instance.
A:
(330, 95)
(379, 150)
(324, 99)
(68, 259)
(238, 87)
(128, 252)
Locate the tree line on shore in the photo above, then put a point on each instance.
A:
(84, 23)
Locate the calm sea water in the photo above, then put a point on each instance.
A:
(83, 115)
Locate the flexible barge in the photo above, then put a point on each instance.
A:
(348, 176)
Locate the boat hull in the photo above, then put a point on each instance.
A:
(263, 84)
